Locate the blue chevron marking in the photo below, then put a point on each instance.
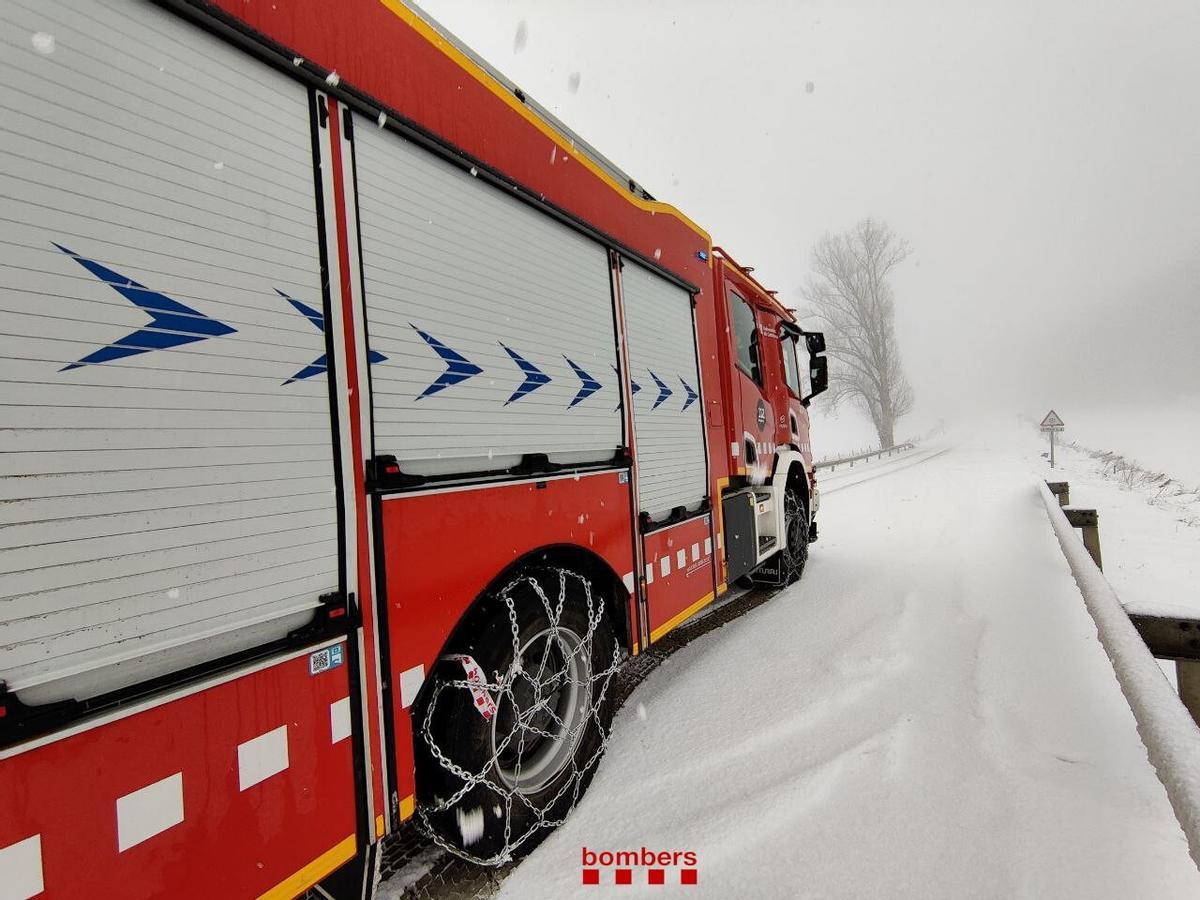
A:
(692, 396)
(171, 323)
(634, 387)
(458, 367)
(320, 365)
(534, 377)
(663, 391)
(590, 385)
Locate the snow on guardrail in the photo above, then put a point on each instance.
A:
(1171, 738)
(832, 464)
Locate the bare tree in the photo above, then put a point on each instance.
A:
(849, 294)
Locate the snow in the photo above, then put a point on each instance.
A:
(1165, 725)
(1161, 435)
(1150, 543)
(43, 42)
(470, 825)
(398, 885)
(929, 713)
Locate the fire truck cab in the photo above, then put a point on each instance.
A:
(765, 395)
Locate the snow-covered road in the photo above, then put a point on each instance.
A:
(928, 713)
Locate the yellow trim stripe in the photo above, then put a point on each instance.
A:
(687, 613)
(469, 66)
(379, 826)
(301, 881)
(407, 807)
(722, 569)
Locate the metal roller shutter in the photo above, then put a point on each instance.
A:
(490, 323)
(667, 424)
(168, 494)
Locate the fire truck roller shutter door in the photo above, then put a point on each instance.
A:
(496, 320)
(667, 422)
(170, 496)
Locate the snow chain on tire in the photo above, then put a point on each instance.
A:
(500, 687)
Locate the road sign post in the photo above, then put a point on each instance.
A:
(1052, 424)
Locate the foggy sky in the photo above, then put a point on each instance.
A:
(1041, 158)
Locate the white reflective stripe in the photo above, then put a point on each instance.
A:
(339, 720)
(149, 811)
(649, 573)
(665, 566)
(627, 579)
(695, 552)
(708, 546)
(261, 757)
(734, 449)
(410, 684)
(720, 541)
(21, 869)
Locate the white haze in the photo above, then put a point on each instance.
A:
(1040, 157)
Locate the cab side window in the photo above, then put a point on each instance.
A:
(745, 336)
(791, 370)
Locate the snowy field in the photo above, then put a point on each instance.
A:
(928, 714)
(1162, 436)
(1149, 539)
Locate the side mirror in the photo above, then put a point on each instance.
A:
(818, 376)
(815, 341)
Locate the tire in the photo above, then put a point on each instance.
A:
(794, 554)
(491, 788)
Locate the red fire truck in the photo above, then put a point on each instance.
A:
(360, 421)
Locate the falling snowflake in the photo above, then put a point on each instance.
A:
(333, 79)
(173, 594)
(522, 35)
(470, 825)
(218, 165)
(658, 252)
(474, 171)
(809, 87)
(382, 119)
(43, 42)
(573, 82)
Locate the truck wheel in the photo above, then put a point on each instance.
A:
(516, 716)
(795, 524)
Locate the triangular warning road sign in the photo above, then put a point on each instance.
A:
(1052, 420)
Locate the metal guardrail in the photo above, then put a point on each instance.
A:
(832, 464)
(1167, 723)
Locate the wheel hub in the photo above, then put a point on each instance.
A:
(541, 716)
